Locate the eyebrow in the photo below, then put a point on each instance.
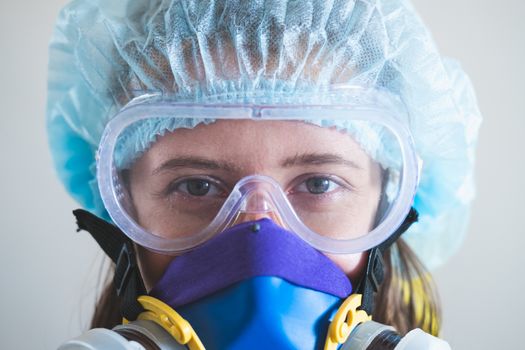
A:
(195, 163)
(318, 159)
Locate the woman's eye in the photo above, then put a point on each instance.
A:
(197, 187)
(317, 185)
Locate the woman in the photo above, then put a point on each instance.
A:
(308, 124)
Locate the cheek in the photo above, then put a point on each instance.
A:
(152, 265)
(353, 265)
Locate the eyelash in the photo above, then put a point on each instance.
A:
(339, 184)
(174, 186)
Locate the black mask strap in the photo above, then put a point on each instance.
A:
(375, 268)
(127, 281)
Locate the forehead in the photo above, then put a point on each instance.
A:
(254, 142)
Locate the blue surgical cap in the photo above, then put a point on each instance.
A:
(105, 53)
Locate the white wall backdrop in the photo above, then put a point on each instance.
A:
(48, 272)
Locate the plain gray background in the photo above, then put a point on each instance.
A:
(48, 273)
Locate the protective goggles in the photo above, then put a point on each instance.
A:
(325, 209)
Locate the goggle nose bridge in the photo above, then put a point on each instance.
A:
(256, 202)
(255, 197)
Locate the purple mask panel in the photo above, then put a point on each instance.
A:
(243, 252)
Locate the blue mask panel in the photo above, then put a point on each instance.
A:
(262, 313)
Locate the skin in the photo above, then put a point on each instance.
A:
(222, 153)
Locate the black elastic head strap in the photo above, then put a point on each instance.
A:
(375, 267)
(127, 281)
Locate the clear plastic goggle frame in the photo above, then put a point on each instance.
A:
(258, 194)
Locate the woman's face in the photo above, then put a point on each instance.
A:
(320, 170)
